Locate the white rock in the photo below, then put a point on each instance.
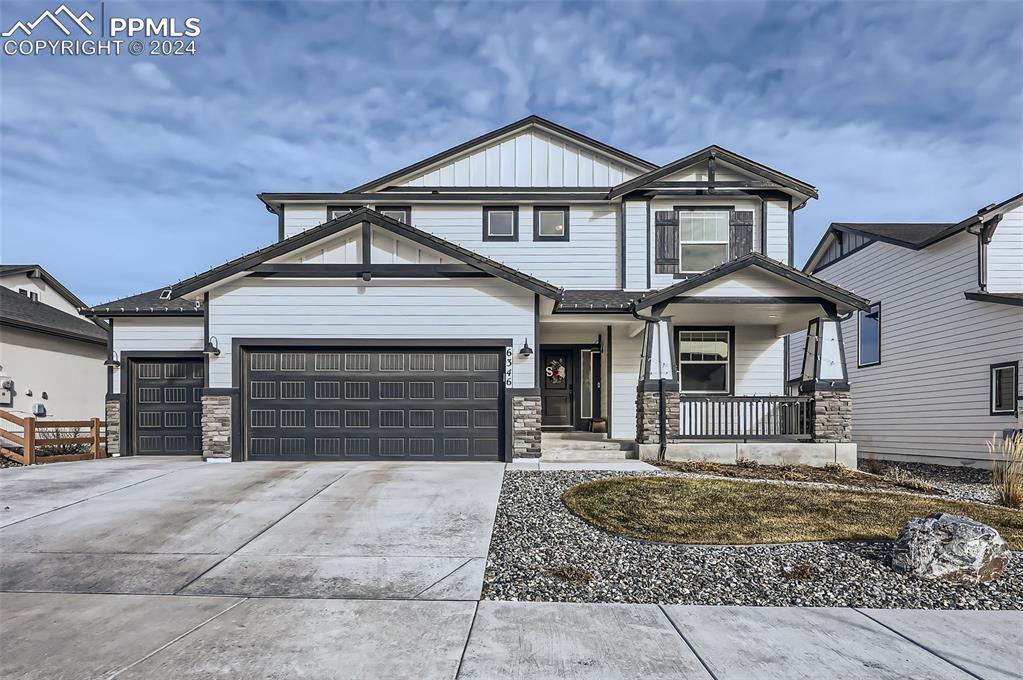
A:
(943, 547)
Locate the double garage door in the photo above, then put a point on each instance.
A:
(339, 403)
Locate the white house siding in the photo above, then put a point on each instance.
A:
(588, 260)
(298, 218)
(778, 230)
(528, 159)
(797, 345)
(626, 363)
(929, 397)
(636, 229)
(759, 361)
(70, 373)
(1005, 255)
(749, 282)
(661, 280)
(156, 334)
(47, 295)
(391, 309)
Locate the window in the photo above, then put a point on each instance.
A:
(703, 236)
(705, 360)
(336, 211)
(869, 345)
(550, 223)
(31, 295)
(589, 398)
(501, 223)
(400, 213)
(1004, 388)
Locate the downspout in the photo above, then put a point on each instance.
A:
(662, 418)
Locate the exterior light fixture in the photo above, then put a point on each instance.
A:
(211, 348)
(525, 351)
(113, 361)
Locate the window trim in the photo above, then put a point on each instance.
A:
(676, 341)
(406, 209)
(537, 209)
(514, 209)
(859, 336)
(992, 369)
(727, 209)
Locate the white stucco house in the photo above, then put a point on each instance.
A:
(529, 280)
(934, 362)
(51, 359)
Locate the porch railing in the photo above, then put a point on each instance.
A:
(747, 418)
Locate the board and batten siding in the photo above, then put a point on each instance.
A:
(529, 159)
(156, 334)
(1005, 255)
(929, 399)
(389, 309)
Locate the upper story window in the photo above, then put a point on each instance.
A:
(31, 295)
(501, 223)
(703, 239)
(550, 223)
(1005, 389)
(336, 211)
(401, 213)
(869, 340)
(705, 360)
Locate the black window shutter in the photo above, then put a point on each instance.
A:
(740, 233)
(666, 242)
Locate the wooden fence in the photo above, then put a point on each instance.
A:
(51, 441)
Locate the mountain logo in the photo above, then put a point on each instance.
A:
(77, 20)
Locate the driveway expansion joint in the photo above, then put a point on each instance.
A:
(917, 644)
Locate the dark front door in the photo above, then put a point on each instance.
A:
(556, 388)
(367, 403)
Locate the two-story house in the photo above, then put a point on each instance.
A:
(934, 362)
(530, 279)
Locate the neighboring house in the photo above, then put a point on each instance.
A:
(529, 278)
(934, 363)
(52, 357)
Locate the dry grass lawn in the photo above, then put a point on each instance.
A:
(705, 511)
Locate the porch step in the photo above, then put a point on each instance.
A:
(574, 435)
(577, 456)
(582, 446)
(572, 445)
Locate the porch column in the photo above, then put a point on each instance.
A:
(113, 418)
(657, 365)
(216, 423)
(825, 376)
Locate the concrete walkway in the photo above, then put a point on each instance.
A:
(171, 568)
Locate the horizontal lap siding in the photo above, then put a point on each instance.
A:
(626, 360)
(636, 249)
(298, 218)
(156, 335)
(588, 260)
(778, 230)
(759, 361)
(930, 395)
(1005, 255)
(482, 308)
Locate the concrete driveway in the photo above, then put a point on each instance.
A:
(174, 568)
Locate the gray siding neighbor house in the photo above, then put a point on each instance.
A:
(934, 362)
(529, 280)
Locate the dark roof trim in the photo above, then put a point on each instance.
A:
(1015, 299)
(12, 269)
(272, 201)
(501, 132)
(110, 312)
(719, 153)
(39, 328)
(348, 221)
(762, 262)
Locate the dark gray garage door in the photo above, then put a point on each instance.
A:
(166, 406)
(350, 404)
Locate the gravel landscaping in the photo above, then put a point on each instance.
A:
(963, 483)
(540, 551)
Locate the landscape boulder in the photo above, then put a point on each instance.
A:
(950, 548)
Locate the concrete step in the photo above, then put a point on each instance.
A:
(574, 456)
(572, 434)
(583, 445)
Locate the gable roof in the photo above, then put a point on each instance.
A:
(335, 226)
(596, 301)
(150, 303)
(912, 235)
(758, 261)
(720, 153)
(20, 311)
(527, 122)
(12, 269)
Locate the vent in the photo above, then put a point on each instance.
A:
(165, 294)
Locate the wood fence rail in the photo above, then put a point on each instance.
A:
(36, 434)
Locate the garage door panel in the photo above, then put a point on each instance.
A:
(407, 403)
(166, 406)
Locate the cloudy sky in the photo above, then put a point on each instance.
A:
(122, 174)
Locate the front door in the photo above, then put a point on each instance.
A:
(556, 388)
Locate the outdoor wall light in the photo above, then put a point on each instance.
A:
(211, 348)
(113, 361)
(526, 350)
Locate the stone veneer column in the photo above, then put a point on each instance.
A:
(216, 426)
(113, 418)
(648, 410)
(832, 417)
(526, 435)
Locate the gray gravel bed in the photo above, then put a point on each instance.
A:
(962, 483)
(540, 551)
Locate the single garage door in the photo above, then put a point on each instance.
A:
(166, 414)
(424, 403)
